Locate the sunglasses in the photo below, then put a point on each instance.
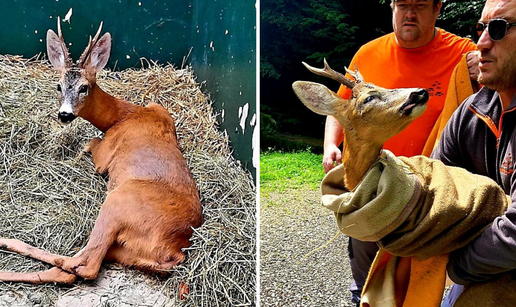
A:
(497, 28)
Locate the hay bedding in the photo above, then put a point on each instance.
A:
(50, 195)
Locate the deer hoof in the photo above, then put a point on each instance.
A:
(86, 273)
(59, 263)
(183, 291)
(65, 278)
(5, 243)
(69, 265)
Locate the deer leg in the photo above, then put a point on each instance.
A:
(87, 262)
(123, 255)
(88, 148)
(25, 249)
(167, 266)
(53, 275)
(68, 264)
(92, 145)
(101, 153)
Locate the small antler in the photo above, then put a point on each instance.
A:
(332, 74)
(68, 60)
(87, 51)
(355, 74)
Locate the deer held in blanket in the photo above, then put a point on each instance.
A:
(152, 202)
(370, 117)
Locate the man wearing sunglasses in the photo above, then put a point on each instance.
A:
(416, 54)
(481, 137)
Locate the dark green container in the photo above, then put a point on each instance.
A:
(217, 37)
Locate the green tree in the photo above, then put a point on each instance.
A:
(293, 26)
(293, 31)
(459, 16)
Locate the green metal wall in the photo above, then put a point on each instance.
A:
(218, 37)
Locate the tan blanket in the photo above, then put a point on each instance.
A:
(413, 207)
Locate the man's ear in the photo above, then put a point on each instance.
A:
(438, 7)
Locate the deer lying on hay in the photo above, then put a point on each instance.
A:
(417, 209)
(152, 203)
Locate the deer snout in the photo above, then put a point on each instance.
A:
(419, 96)
(415, 104)
(66, 117)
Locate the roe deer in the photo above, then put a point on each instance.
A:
(370, 117)
(152, 202)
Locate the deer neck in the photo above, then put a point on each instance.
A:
(358, 157)
(103, 110)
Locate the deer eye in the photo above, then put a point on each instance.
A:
(369, 98)
(59, 87)
(83, 89)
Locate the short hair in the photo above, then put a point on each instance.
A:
(435, 3)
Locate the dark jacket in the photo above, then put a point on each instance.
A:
(480, 137)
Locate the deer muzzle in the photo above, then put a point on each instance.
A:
(417, 98)
(66, 113)
(66, 117)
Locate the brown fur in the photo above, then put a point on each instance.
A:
(152, 203)
(369, 118)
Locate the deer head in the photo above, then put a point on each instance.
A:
(375, 113)
(76, 80)
(370, 117)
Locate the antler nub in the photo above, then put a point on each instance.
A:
(91, 43)
(332, 74)
(98, 31)
(59, 32)
(355, 74)
(68, 60)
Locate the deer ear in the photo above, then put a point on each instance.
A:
(56, 52)
(99, 54)
(318, 98)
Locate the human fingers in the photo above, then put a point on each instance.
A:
(472, 60)
(331, 157)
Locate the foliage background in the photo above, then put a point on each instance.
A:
(293, 31)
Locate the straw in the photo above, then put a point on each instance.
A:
(51, 195)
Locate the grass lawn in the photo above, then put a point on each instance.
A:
(281, 170)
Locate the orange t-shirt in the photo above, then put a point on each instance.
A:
(384, 63)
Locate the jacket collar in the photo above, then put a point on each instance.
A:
(487, 106)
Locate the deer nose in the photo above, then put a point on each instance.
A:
(419, 96)
(66, 117)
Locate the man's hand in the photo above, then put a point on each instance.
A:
(472, 60)
(332, 156)
(333, 137)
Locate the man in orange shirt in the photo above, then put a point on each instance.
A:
(416, 54)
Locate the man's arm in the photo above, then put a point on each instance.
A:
(493, 252)
(333, 136)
